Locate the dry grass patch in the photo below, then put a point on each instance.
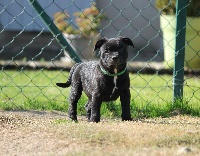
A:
(49, 133)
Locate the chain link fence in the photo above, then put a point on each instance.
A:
(32, 60)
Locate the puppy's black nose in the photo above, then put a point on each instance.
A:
(114, 58)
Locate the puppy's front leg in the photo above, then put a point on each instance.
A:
(95, 109)
(125, 103)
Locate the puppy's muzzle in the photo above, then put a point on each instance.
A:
(115, 56)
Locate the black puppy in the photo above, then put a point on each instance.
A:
(105, 80)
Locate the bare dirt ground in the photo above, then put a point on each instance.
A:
(50, 133)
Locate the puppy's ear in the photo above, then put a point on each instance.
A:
(100, 43)
(128, 41)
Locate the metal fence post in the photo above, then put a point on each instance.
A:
(178, 73)
(54, 30)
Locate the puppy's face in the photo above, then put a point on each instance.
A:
(113, 52)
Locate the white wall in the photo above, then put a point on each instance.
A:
(136, 19)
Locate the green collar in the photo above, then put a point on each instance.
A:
(109, 74)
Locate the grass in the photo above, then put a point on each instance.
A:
(151, 95)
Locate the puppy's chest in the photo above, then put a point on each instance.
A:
(113, 84)
(111, 89)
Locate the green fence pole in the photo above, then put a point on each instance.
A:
(178, 73)
(54, 30)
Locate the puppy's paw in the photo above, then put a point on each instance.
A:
(94, 119)
(73, 118)
(127, 119)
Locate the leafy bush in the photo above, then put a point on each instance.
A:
(168, 7)
(87, 22)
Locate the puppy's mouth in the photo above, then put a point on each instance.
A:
(118, 65)
(110, 66)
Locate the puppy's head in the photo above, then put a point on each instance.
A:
(113, 52)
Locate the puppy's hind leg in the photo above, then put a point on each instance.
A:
(75, 94)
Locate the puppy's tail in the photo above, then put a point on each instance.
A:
(64, 85)
(68, 83)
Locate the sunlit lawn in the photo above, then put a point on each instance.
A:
(151, 95)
